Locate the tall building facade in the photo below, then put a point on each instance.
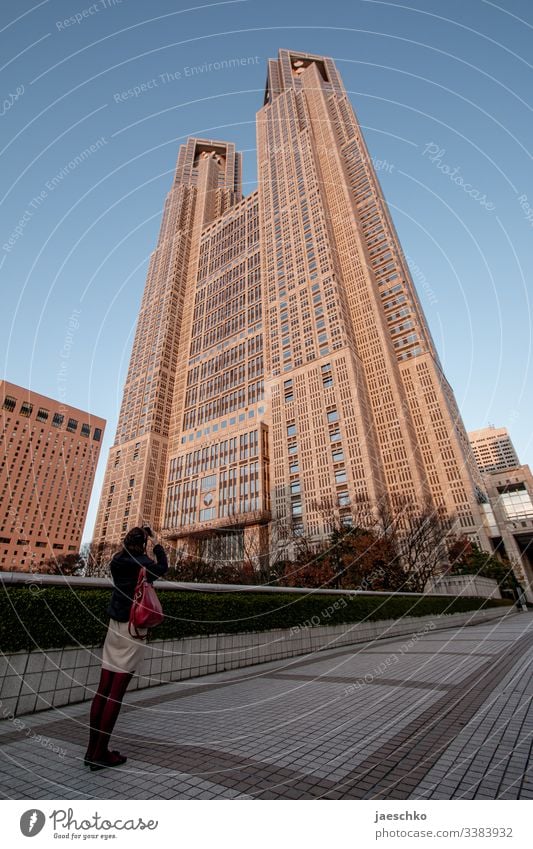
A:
(282, 361)
(48, 458)
(493, 449)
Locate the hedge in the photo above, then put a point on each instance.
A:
(56, 617)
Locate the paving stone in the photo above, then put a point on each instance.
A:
(455, 721)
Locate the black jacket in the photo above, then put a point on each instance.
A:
(125, 573)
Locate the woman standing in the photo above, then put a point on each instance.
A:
(122, 653)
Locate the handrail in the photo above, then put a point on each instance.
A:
(71, 581)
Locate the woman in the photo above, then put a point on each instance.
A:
(122, 653)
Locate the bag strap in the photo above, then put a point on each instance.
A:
(135, 636)
(137, 595)
(141, 578)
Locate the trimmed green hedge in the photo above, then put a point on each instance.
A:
(57, 617)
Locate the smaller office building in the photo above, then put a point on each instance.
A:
(509, 513)
(48, 457)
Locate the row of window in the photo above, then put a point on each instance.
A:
(43, 415)
(194, 500)
(214, 456)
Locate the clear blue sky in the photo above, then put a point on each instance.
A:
(455, 76)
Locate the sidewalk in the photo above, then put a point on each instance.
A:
(446, 716)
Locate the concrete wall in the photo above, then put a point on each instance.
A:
(34, 681)
(465, 585)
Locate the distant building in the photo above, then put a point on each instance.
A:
(493, 449)
(509, 510)
(48, 457)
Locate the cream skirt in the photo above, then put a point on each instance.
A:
(121, 652)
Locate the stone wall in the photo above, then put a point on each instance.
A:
(464, 585)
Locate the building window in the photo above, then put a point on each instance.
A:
(291, 430)
(340, 476)
(42, 415)
(207, 513)
(132, 481)
(296, 508)
(289, 392)
(294, 467)
(338, 455)
(344, 499)
(85, 430)
(516, 501)
(57, 420)
(10, 403)
(72, 425)
(333, 416)
(25, 409)
(295, 487)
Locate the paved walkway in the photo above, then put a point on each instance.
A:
(448, 715)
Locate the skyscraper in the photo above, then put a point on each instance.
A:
(47, 465)
(493, 449)
(282, 360)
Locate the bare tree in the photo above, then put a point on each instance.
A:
(401, 544)
(96, 558)
(361, 547)
(63, 564)
(421, 536)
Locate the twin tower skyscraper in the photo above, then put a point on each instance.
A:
(281, 358)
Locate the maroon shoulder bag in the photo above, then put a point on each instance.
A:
(146, 610)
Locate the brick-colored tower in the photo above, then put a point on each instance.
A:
(207, 182)
(340, 297)
(293, 364)
(49, 453)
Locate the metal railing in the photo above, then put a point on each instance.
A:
(73, 582)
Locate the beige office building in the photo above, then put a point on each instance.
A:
(493, 449)
(49, 453)
(282, 359)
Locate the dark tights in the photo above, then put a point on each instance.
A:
(105, 709)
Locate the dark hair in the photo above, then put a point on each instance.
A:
(135, 541)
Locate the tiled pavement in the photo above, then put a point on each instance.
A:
(447, 715)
